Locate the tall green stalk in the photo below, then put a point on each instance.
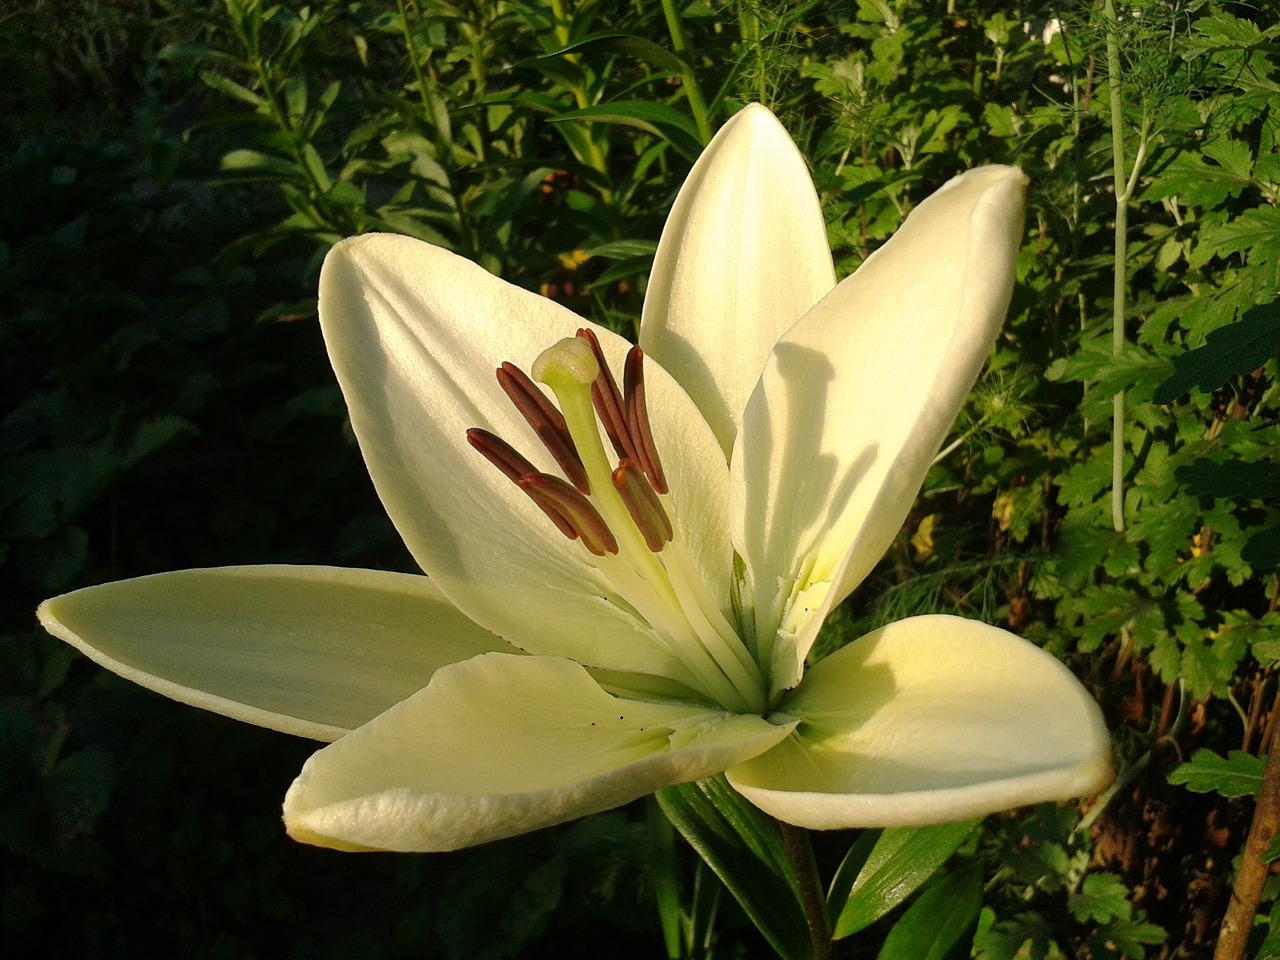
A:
(1125, 182)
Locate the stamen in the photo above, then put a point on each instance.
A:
(574, 507)
(515, 468)
(607, 399)
(547, 422)
(638, 420)
(643, 504)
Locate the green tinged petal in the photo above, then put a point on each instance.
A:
(930, 720)
(502, 745)
(312, 651)
(743, 255)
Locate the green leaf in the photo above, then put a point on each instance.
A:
(1255, 232)
(1231, 350)
(1238, 775)
(232, 89)
(1232, 478)
(632, 46)
(1262, 552)
(1102, 897)
(662, 121)
(745, 849)
(883, 868)
(936, 924)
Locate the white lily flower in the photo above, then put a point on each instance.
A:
(600, 620)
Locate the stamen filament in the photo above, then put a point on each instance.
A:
(695, 657)
(638, 420)
(609, 403)
(575, 508)
(515, 468)
(547, 422)
(643, 504)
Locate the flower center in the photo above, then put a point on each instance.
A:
(617, 509)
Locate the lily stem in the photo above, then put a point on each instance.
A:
(799, 850)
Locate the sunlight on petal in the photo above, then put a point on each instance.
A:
(501, 745)
(743, 255)
(930, 720)
(313, 651)
(415, 334)
(858, 396)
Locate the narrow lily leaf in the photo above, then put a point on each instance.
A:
(629, 45)
(745, 850)
(312, 651)
(936, 924)
(656, 118)
(883, 868)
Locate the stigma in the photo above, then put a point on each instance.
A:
(576, 371)
(614, 503)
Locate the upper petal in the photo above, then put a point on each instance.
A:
(502, 745)
(856, 399)
(415, 334)
(312, 651)
(743, 255)
(930, 720)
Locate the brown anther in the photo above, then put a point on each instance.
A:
(638, 420)
(643, 504)
(574, 508)
(547, 422)
(607, 399)
(515, 468)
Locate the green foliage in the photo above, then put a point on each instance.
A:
(1239, 774)
(884, 867)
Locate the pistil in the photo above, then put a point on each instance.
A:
(618, 511)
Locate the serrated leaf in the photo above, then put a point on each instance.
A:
(883, 868)
(936, 924)
(1228, 351)
(1239, 774)
(1262, 551)
(1255, 232)
(1102, 897)
(745, 849)
(1232, 478)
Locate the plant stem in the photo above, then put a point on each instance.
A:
(1233, 937)
(692, 89)
(795, 840)
(1121, 255)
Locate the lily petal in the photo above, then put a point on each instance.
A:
(743, 255)
(501, 745)
(312, 651)
(930, 720)
(415, 334)
(834, 445)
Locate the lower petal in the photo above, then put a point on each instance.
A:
(930, 720)
(312, 651)
(501, 745)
